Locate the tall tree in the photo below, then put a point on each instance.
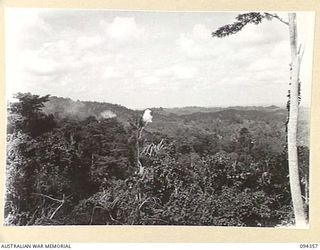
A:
(26, 115)
(296, 55)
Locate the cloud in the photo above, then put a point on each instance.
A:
(87, 42)
(183, 72)
(123, 29)
(139, 73)
(201, 32)
(111, 72)
(20, 21)
(199, 44)
(191, 47)
(162, 59)
(150, 80)
(176, 71)
(265, 64)
(37, 65)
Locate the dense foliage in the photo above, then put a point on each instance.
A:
(75, 163)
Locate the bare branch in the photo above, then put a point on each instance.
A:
(301, 52)
(299, 49)
(145, 201)
(113, 219)
(114, 203)
(49, 197)
(277, 17)
(57, 209)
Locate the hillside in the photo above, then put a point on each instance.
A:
(67, 108)
(91, 163)
(171, 121)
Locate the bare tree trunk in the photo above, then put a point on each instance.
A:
(299, 214)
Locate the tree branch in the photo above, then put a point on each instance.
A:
(49, 197)
(54, 199)
(244, 19)
(277, 17)
(110, 215)
(141, 205)
(57, 209)
(301, 52)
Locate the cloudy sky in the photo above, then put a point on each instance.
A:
(151, 59)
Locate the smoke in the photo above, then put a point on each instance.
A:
(62, 107)
(107, 114)
(75, 109)
(65, 107)
(147, 116)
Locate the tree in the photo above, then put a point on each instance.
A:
(296, 55)
(26, 115)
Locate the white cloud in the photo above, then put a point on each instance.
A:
(111, 72)
(183, 72)
(139, 73)
(202, 32)
(123, 28)
(150, 80)
(263, 64)
(190, 47)
(166, 59)
(60, 51)
(200, 45)
(20, 21)
(32, 62)
(87, 42)
(176, 71)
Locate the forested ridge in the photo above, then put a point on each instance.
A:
(74, 163)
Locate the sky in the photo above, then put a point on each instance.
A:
(152, 59)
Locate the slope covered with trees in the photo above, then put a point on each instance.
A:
(74, 163)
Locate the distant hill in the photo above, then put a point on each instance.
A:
(170, 120)
(265, 108)
(195, 109)
(237, 115)
(66, 107)
(187, 110)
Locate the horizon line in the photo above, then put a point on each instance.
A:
(168, 107)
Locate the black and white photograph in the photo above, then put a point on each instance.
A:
(171, 118)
